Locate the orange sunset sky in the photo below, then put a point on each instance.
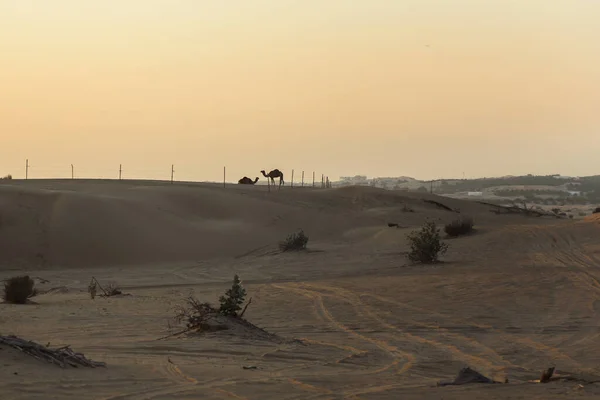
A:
(424, 88)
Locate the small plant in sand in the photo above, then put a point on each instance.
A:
(597, 210)
(233, 299)
(19, 289)
(7, 177)
(294, 242)
(426, 244)
(460, 226)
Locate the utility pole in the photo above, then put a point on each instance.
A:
(223, 177)
(120, 170)
(313, 179)
(172, 172)
(27, 169)
(302, 178)
(292, 179)
(72, 172)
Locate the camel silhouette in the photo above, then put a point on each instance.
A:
(274, 174)
(247, 181)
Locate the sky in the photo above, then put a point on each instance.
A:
(422, 88)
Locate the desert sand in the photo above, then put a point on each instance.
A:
(354, 320)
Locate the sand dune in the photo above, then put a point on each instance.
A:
(517, 296)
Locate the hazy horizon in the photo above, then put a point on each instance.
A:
(420, 88)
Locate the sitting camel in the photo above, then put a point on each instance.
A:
(247, 181)
(274, 174)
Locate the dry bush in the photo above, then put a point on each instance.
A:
(426, 244)
(112, 289)
(7, 177)
(194, 313)
(597, 210)
(18, 289)
(459, 227)
(294, 242)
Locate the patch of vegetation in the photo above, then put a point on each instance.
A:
(459, 227)
(112, 289)
(597, 210)
(294, 242)
(233, 299)
(7, 177)
(197, 315)
(426, 244)
(194, 313)
(18, 289)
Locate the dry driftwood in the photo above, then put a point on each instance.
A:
(547, 375)
(63, 356)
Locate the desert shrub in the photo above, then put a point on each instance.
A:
(7, 177)
(233, 299)
(426, 245)
(460, 226)
(582, 213)
(18, 289)
(597, 210)
(112, 289)
(194, 313)
(555, 210)
(294, 242)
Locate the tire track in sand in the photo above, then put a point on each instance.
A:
(397, 354)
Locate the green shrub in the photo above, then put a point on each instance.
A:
(426, 244)
(460, 226)
(232, 302)
(294, 242)
(18, 289)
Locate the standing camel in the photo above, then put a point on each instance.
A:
(274, 174)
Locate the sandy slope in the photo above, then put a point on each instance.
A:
(516, 297)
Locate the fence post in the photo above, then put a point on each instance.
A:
(72, 172)
(27, 169)
(224, 177)
(292, 179)
(172, 172)
(302, 178)
(313, 179)
(322, 181)
(120, 170)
